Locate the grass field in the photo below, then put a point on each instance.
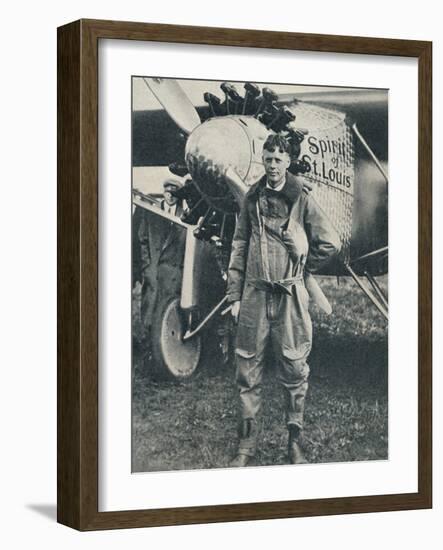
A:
(193, 424)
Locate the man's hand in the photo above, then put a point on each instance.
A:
(235, 310)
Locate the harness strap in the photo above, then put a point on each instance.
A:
(283, 286)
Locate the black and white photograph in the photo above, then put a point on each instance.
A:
(197, 342)
(259, 274)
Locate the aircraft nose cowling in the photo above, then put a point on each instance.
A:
(234, 142)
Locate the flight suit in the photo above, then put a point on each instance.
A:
(278, 235)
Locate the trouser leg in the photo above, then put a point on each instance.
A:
(292, 342)
(249, 378)
(293, 372)
(294, 379)
(148, 299)
(252, 338)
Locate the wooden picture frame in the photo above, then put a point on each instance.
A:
(78, 466)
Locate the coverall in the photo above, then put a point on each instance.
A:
(278, 235)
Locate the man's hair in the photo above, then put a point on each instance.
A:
(276, 141)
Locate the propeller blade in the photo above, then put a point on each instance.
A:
(316, 294)
(236, 185)
(175, 102)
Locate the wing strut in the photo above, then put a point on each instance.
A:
(370, 152)
(373, 295)
(377, 289)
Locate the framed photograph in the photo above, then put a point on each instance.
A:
(235, 207)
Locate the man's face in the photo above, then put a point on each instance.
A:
(169, 197)
(276, 163)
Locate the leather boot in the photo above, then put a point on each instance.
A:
(295, 452)
(239, 461)
(246, 448)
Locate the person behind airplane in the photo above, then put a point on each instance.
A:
(162, 247)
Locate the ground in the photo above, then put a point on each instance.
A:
(193, 424)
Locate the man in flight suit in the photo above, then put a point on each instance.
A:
(281, 232)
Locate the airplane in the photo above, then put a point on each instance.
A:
(339, 141)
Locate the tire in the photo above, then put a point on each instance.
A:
(173, 358)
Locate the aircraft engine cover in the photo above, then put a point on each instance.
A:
(219, 143)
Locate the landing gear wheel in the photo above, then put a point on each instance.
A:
(173, 358)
